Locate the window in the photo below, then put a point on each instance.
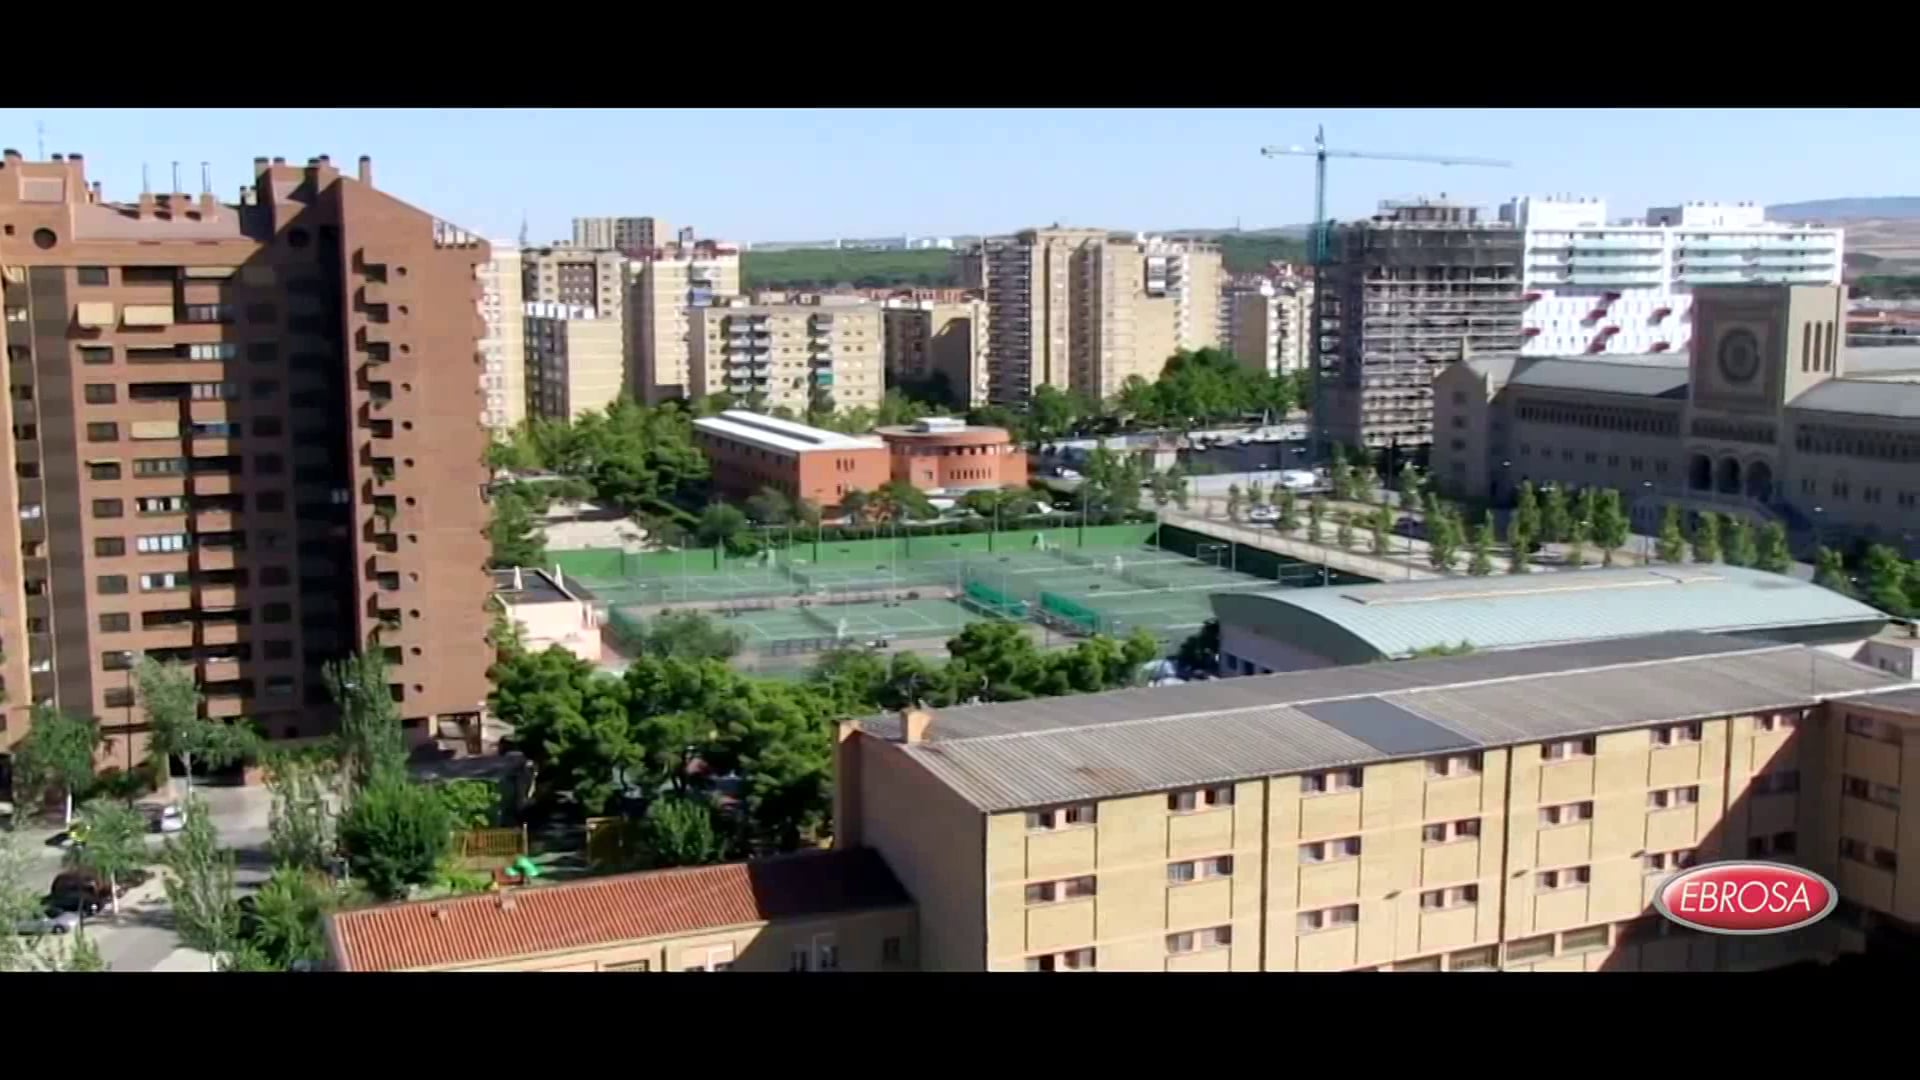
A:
(1047, 892)
(264, 388)
(633, 965)
(116, 660)
(271, 501)
(1199, 799)
(267, 425)
(110, 584)
(161, 504)
(1885, 859)
(1329, 782)
(279, 650)
(116, 623)
(1442, 832)
(103, 470)
(1215, 937)
(1860, 725)
(107, 547)
(168, 581)
(275, 576)
(100, 393)
(1530, 948)
(1454, 765)
(103, 431)
(118, 697)
(1566, 814)
(1063, 817)
(90, 275)
(1658, 861)
(1776, 722)
(148, 545)
(276, 613)
(107, 508)
(1593, 937)
(1443, 899)
(1200, 869)
(1783, 782)
(1676, 733)
(1567, 748)
(1074, 960)
(1329, 918)
(1785, 843)
(1323, 850)
(1670, 797)
(890, 950)
(1564, 879)
(269, 464)
(1883, 794)
(167, 466)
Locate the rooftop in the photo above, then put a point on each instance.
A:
(1862, 397)
(544, 919)
(1639, 376)
(773, 433)
(1129, 742)
(528, 586)
(1399, 619)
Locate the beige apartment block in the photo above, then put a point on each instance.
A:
(1085, 309)
(620, 233)
(1508, 811)
(667, 285)
(503, 381)
(576, 278)
(924, 337)
(1269, 327)
(792, 356)
(576, 361)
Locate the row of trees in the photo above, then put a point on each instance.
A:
(744, 763)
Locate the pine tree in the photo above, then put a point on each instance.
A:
(1706, 538)
(1520, 543)
(1481, 564)
(1740, 549)
(1770, 550)
(1672, 547)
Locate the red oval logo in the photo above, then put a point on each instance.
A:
(1746, 898)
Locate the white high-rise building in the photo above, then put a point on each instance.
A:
(503, 350)
(1625, 287)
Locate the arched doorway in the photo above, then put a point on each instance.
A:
(1699, 473)
(1760, 482)
(1727, 476)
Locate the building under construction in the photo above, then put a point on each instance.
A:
(1414, 288)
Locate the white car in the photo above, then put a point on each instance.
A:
(1065, 473)
(1263, 514)
(51, 922)
(171, 820)
(1297, 479)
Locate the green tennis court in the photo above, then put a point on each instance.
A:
(905, 618)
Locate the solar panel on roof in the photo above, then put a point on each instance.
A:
(1386, 727)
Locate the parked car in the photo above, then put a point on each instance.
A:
(169, 820)
(48, 922)
(1262, 515)
(79, 891)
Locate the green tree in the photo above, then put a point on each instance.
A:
(395, 834)
(1380, 522)
(57, 755)
(1889, 579)
(1316, 514)
(1519, 544)
(689, 635)
(1672, 545)
(778, 738)
(770, 507)
(300, 826)
(1256, 493)
(1343, 530)
(1587, 509)
(370, 740)
(1409, 488)
(514, 532)
(1182, 492)
(1481, 563)
(1577, 544)
(1830, 571)
(1233, 502)
(1289, 507)
(116, 845)
(1444, 537)
(1200, 652)
(1609, 524)
(1556, 516)
(1528, 514)
(288, 927)
(719, 523)
(1462, 648)
(1740, 547)
(1770, 550)
(471, 804)
(681, 830)
(854, 505)
(200, 884)
(572, 723)
(912, 504)
(1706, 538)
(171, 698)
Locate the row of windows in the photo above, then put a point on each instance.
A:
(1734, 431)
(1861, 852)
(1854, 442)
(1598, 417)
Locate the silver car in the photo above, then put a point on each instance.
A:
(52, 922)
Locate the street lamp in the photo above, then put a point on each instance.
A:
(1817, 545)
(1646, 539)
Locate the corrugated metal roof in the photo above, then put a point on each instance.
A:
(1862, 397)
(1621, 375)
(1096, 746)
(1401, 618)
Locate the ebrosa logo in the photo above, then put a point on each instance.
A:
(1746, 898)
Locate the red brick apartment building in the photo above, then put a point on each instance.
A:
(750, 451)
(245, 437)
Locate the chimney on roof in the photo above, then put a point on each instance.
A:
(914, 723)
(59, 157)
(324, 159)
(95, 197)
(75, 158)
(366, 170)
(10, 154)
(279, 161)
(259, 166)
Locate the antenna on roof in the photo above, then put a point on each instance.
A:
(40, 137)
(176, 177)
(146, 188)
(206, 179)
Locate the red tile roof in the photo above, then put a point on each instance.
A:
(544, 919)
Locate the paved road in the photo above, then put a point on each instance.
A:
(142, 936)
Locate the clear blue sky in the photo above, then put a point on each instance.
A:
(758, 175)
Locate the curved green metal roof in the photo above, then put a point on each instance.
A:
(1355, 623)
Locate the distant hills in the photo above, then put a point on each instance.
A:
(1876, 207)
